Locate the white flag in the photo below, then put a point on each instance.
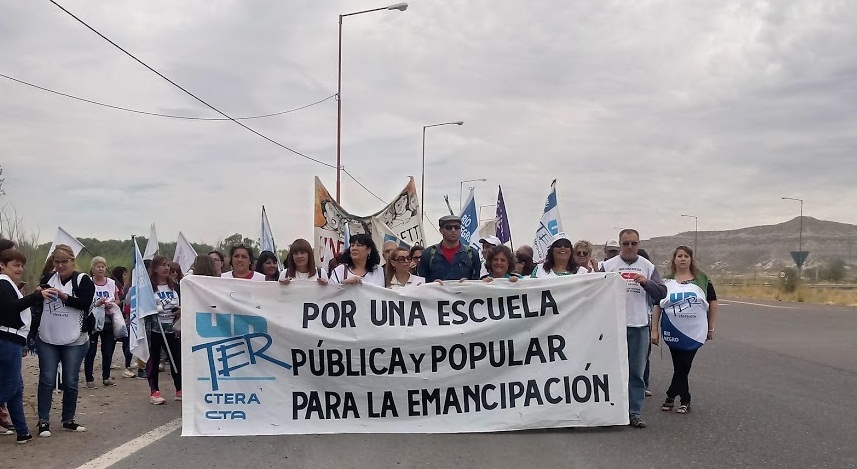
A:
(549, 225)
(151, 245)
(62, 237)
(142, 305)
(267, 241)
(185, 253)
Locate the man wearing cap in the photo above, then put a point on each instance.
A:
(449, 259)
(611, 250)
(487, 243)
(642, 281)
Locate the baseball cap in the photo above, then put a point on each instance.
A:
(611, 245)
(492, 240)
(448, 219)
(559, 236)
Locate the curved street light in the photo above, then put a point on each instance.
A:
(396, 6)
(423, 177)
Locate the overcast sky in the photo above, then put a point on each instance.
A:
(641, 110)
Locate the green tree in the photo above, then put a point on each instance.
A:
(835, 271)
(789, 279)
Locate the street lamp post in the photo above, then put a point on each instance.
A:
(695, 232)
(423, 177)
(800, 233)
(461, 189)
(397, 6)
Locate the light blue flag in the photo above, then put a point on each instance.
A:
(470, 223)
(267, 240)
(142, 305)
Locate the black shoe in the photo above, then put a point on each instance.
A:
(72, 426)
(637, 422)
(44, 429)
(24, 438)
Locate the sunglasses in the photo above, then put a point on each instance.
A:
(581, 253)
(452, 227)
(630, 243)
(402, 259)
(561, 244)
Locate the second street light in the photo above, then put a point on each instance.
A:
(461, 189)
(695, 232)
(397, 6)
(423, 177)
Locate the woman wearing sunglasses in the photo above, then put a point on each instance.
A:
(583, 255)
(398, 272)
(362, 264)
(559, 261)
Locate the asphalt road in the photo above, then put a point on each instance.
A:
(774, 389)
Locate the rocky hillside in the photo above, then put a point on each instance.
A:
(763, 249)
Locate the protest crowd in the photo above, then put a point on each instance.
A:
(75, 311)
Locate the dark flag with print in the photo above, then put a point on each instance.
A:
(502, 217)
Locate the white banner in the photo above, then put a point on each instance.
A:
(264, 359)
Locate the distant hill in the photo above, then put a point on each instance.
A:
(762, 249)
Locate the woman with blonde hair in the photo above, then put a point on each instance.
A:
(62, 337)
(106, 294)
(397, 272)
(583, 255)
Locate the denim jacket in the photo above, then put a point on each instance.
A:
(465, 264)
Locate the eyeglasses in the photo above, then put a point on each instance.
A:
(416, 258)
(630, 243)
(452, 227)
(402, 259)
(63, 262)
(561, 244)
(581, 253)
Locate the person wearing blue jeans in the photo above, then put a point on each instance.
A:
(61, 338)
(643, 284)
(15, 318)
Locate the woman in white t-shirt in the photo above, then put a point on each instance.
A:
(105, 297)
(559, 260)
(166, 292)
(241, 257)
(362, 264)
(300, 265)
(397, 272)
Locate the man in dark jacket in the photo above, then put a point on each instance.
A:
(449, 259)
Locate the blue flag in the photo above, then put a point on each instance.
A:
(470, 223)
(142, 304)
(502, 232)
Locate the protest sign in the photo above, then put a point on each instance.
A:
(264, 359)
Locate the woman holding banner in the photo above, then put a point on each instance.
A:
(241, 257)
(161, 327)
(300, 265)
(362, 263)
(690, 293)
(559, 261)
(397, 272)
(501, 264)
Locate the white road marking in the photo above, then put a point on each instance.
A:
(127, 449)
(755, 304)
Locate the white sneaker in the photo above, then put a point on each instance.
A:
(128, 373)
(156, 398)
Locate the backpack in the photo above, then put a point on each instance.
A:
(87, 318)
